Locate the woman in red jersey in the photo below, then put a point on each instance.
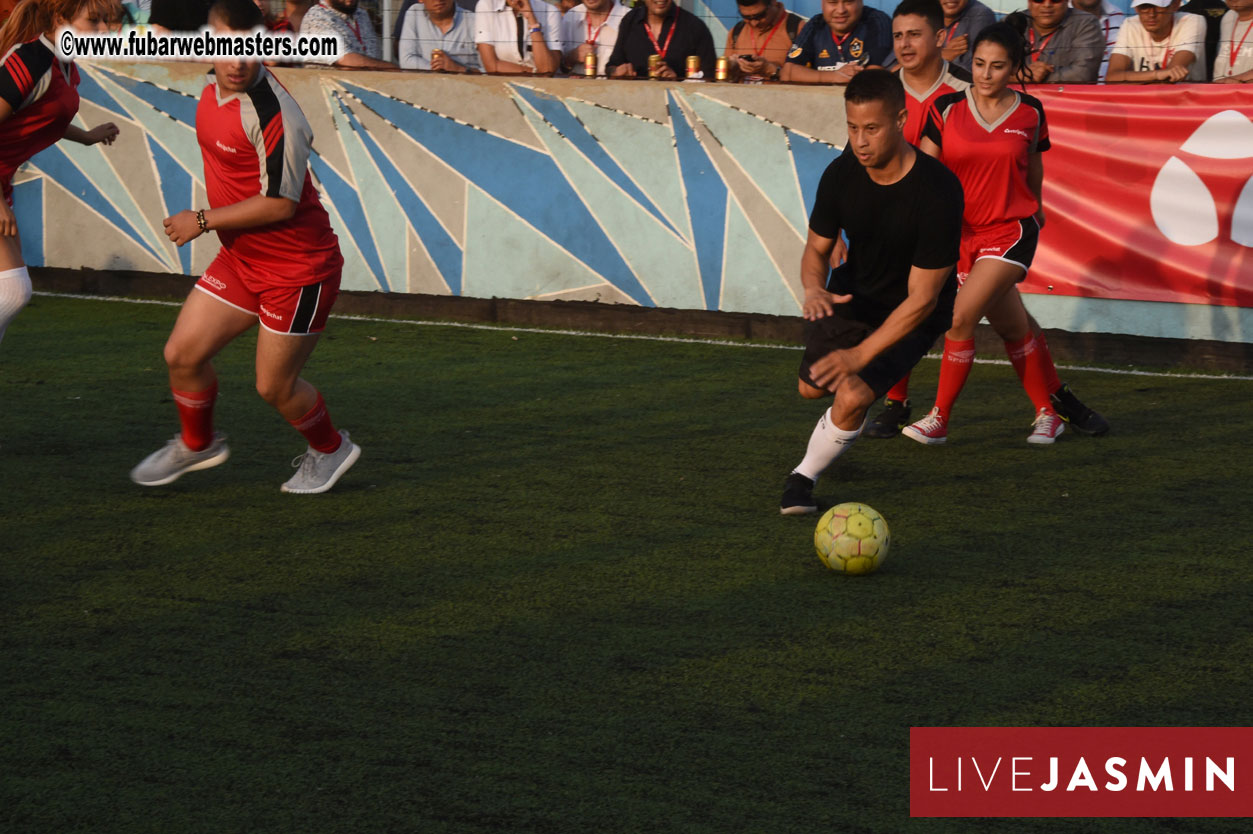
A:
(992, 138)
(38, 100)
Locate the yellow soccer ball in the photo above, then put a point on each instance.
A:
(852, 538)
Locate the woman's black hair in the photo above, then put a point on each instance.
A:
(1010, 35)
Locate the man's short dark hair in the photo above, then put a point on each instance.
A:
(928, 10)
(876, 85)
(237, 15)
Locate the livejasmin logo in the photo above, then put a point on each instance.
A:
(1080, 771)
(1150, 777)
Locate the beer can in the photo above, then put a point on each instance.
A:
(720, 69)
(589, 65)
(435, 53)
(654, 65)
(693, 65)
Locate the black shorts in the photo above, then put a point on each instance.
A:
(835, 332)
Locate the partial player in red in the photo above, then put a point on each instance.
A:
(38, 102)
(918, 38)
(993, 138)
(279, 265)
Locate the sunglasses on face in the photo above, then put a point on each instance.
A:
(753, 18)
(1047, 2)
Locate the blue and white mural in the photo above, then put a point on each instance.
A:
(677, 195)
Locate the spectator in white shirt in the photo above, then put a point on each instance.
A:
(1159, 44)
(1234, 61)
(514, 36)
(591, 27)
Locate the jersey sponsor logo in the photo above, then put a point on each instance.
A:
(272, 315)
(1021, 133)
(795, 53)
(856, 47)
(996, 249)
(1182, 206)
(216, 283)
(226, 148)
(824, 54)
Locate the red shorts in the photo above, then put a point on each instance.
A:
(295, 310)
(1013, 241)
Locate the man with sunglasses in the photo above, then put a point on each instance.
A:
(757, 46)
(1159, 44)
(1065, 45)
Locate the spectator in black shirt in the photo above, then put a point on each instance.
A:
(661, 27)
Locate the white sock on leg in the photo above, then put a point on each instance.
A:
(15, 291)
(826, 444)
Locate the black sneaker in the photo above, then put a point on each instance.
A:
(798, 496)
(1083, 419)
(889, 421)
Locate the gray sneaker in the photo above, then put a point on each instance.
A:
(174, 459)
(318, 472)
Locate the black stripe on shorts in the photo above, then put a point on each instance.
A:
(306, 309)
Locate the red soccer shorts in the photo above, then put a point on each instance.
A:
(294, 310)
(1013, 241)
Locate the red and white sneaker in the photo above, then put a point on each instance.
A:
(931, 430)
(1047, 427)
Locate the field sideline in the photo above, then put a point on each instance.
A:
(556, 594)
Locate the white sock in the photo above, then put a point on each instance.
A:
(826, 444)
(14, 293)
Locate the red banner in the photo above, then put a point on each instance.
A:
(1148, 194)
(1081, 772)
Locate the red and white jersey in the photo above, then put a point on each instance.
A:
(952, 79)
(989, 159)
(42, 92)
(258, 143)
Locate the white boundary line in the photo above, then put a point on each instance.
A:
(539, 331)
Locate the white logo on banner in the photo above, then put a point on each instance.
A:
(1183, 208)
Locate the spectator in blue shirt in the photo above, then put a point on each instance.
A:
(963, 21)
(839, 43)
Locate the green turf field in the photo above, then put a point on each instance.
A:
(556, 594)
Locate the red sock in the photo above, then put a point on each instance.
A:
(959, 356)
(318, 429)
(195, 414)
(1028, 361)
(900, 391)
(1050, 370)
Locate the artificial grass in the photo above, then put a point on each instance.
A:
(556, 594)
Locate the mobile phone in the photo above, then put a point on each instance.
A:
(748, 57)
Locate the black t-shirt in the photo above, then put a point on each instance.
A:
(915, 221)
(682, 34)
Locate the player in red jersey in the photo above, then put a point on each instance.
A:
(279, 265)
(38, 102)
(992, 137)
(917, 33)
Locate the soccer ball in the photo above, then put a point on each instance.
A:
(852, 538)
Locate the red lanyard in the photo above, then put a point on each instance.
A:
(1235, 50)
(591, 39)
(1043, 43)
(839, 42)
(661, 50)
(356, 27)
(948, 33)
(782, 18)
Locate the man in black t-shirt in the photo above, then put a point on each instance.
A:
(870, 320)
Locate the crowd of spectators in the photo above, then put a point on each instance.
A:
(1068, 41)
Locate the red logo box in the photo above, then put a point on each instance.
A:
(1081, 772)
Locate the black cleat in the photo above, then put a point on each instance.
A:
(798, 496)
(1081, 418)
(889, 421)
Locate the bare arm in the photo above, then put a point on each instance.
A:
(796, 74)
(925, 285)
(355, 60)
(254, 211)
(1035, 181)
(929, 147)
(495, 66)
(815, 267)
(106, 133)
(1120, 71)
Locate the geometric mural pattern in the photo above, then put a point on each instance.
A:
(692, 196)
